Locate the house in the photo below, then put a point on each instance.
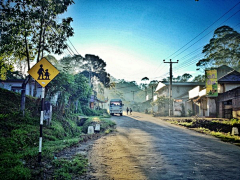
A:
(208, 106)
(179, 94)
(16, 86)
(228, 100)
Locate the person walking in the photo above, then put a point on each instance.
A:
(130, 111)
(127, 110)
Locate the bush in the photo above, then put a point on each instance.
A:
(104, 124)
(91, 112)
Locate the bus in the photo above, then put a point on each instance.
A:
(116, 107)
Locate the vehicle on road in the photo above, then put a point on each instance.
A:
(116, 107)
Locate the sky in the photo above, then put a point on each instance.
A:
(134, 36)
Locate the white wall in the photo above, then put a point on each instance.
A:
(9, 85)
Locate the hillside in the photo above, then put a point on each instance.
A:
(20, 137)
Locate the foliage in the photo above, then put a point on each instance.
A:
(183, 110)
(199, 78)
(161, 102)
(104, 124)
(20, 136)
(94, 67)
(184, 78)
(5, 67)
(92, 112)
(12, 167)
(30, 27)
(65, 168)
(190, 112)
(222, 49)
(13, 103)
(70, 89)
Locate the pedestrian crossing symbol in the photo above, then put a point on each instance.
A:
(43, 72)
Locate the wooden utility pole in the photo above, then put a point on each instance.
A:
(133, 94)
(170, 87)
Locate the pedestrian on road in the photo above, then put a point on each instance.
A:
(130, 111)
(127, 110)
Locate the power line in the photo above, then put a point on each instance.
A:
(206, 29)
(187, 62)
(201, 33)
(58, 35)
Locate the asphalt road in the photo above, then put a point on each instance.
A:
(145, 147)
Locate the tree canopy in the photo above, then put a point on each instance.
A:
(184, 78)
(222, 49)
(30, 27)
(94, 67)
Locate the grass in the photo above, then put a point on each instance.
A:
(205, 126)
(105, 124)
(19, 140)
(66, 169)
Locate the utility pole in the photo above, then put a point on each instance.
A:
(152, 98)
(133, 94)
(170, 87)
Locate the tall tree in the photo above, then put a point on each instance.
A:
(185, 77)
(199, 78)
(94, 67)
(30, 27)
(222, 49)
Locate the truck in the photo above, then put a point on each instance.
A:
(116, 107)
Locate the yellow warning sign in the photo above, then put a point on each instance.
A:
(43, 72)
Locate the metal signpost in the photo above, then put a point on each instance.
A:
(43, 72)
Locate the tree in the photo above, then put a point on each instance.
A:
(144, 85)
(162, 102)
(199, 78)
(222, 49)
(70, 89)
(185, 77)
(72, 65)
(30, 27)
(94, 67)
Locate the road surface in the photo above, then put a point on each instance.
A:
(144, 147)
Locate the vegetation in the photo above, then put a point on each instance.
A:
(66, 169)
(162, 102)
(184, 78)
(220, 128)
(31, 27)
(20, 136)
(222, 49)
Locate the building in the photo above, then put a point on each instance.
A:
(207, 106)
(179, 95)
(16, 86)
(228, 100)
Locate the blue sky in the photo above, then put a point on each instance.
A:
(134, 36)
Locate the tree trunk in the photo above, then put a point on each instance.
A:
(23, 92)
(38, 56)
(23, 95)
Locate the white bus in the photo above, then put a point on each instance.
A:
(116, 107)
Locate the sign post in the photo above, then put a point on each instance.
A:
(43, 72)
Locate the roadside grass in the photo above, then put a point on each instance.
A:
(66, 169)
(215, 127)
(19, 145)
(226, 137)
(106, 125)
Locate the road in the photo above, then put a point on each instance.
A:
(144, 147)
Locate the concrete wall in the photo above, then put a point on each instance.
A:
(211, 107)
(233, 96)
